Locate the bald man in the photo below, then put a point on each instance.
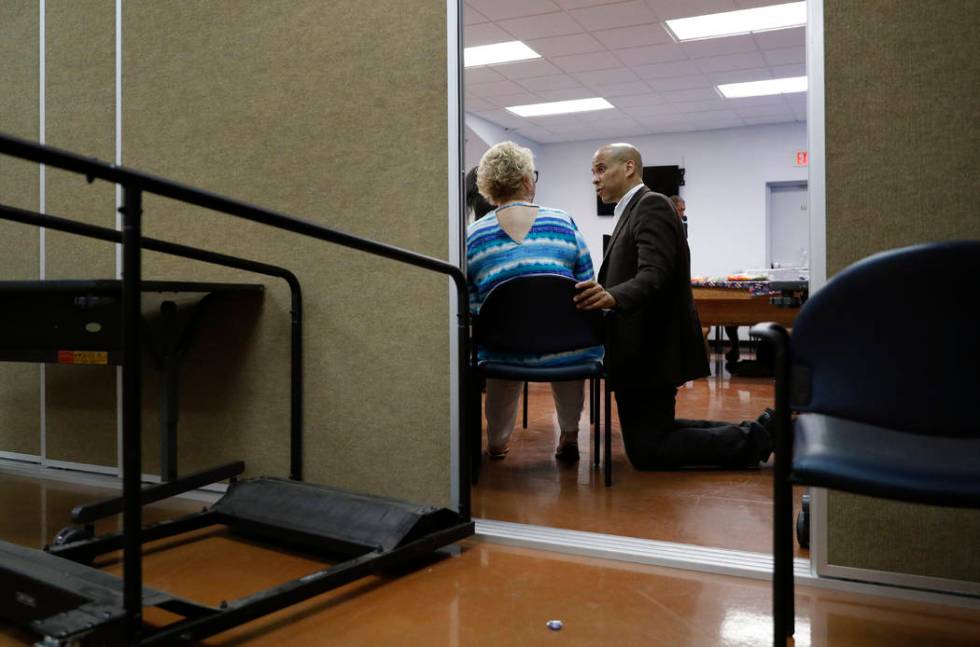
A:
(654, 342)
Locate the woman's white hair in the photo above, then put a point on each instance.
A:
(502, 170)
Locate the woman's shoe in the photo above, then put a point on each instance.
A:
(567, 452)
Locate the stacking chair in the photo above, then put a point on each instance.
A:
(882, 370)
(535, 314)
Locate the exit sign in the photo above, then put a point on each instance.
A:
(802, 158)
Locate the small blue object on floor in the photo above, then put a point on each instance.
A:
(554, 625)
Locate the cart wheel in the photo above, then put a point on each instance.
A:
(803, 529)
(71, 534)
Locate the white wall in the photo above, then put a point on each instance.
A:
(489, 134)
(725, 191)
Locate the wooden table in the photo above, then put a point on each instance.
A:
(723, 306)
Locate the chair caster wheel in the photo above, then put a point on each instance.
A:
(71, 534)
(803, 523)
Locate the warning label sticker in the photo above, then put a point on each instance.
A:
(83, 357)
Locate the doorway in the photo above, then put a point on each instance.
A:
(787, 225)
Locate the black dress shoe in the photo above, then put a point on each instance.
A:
(768, 419)
(567, 453)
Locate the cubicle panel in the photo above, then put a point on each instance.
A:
(20, 426)
(334, 112)
(901, 159)
(80, 116)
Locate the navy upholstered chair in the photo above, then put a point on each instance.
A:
(883, 371)
(535, 314)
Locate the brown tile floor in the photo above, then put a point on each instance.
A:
(718, 508)
(490, 595)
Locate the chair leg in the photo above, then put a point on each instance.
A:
(782, 591)
(608, 453)
(596, 427)
(525, 405)
(591, 399)
(475, 430)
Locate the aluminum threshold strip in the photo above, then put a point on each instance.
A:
(738, 563)
(702, 559)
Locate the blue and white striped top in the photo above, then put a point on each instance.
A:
(553, 245)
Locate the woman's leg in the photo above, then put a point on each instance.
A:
(569, 398)
(501, 408)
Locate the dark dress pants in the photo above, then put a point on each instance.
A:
(655, 440)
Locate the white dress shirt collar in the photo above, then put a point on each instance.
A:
(625, 200)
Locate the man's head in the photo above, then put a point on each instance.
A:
(474, 201)
(616, 168)
(679, 205)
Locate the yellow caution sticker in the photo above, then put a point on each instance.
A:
(83, 357)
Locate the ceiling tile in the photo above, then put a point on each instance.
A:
(765, 111)
(603, 116)
(635, 36)
(579, 4)
(565, 45)
(797, 100)
(699, 94)
(471, 16)
(503, 9)
(543, 26)
(748, 4)
(786, 71)
(748, 103)
(527, 69)
(506, 100)
(780, 38)
(739, 76)
(546, 83)
(694, 106)
(639, 100)
(719, 46)
(566, 94)
(680, 83)
(550, 121)
(484, 34)
(667, 70)
(497, 88)
(481, 74)
(587, 62)
(668, 9)
(606, 77)
(621, 89)
(775, 119)
(643, 112)
(787, 56)
(476, 104)
(636, 56)
(732, 62)
(623, 14)
(503, 118)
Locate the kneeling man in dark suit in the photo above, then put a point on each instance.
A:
(654, 342)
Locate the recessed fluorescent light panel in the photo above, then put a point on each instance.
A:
(513, 50)
(560, 107)
(763, 88)
(744, 21)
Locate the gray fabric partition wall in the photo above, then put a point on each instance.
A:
(333, 112)
(902, 159)
(19, 77)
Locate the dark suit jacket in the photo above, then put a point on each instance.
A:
(654, 335)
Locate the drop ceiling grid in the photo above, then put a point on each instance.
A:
(622, 51)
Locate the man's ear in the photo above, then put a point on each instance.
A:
(630, 167)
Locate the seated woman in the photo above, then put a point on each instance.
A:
(519, 237)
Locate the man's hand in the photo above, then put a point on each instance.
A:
(593, 296)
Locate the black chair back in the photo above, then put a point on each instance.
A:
(889, 342)
(535, 314)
